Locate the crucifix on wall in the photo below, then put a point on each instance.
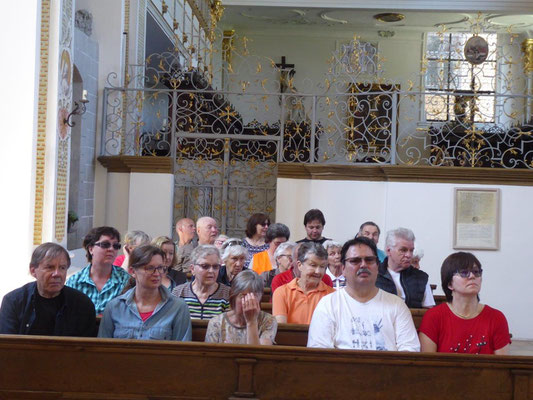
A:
(287, 72)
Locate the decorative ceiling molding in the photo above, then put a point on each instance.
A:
(403, 173)
(508, 6)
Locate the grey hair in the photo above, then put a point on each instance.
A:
(137, 238)
(398, 233)
(418, 253)
(48, 251)
(309, 248)
(203, 251)
(282, 247)
(233, 249)
(277, 230)
(331, 243)
(246, 280)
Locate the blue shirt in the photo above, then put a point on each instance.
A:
(381, 255)
(169, 321)
(113, 287)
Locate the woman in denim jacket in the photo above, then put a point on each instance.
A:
(148, 310)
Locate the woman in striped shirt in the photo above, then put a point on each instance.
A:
(204, 296)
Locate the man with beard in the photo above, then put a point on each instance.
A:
(398, 276)
(360, 316)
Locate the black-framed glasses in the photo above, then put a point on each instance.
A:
(151, 269)
(106, 245)
(206, 267)
(359, 260)
(465, 273)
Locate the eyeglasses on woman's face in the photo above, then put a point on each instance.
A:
(106, 245)
(465, 273)
(150, 269)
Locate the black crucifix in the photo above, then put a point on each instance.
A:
(287, 71)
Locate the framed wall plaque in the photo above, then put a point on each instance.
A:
(476, 219)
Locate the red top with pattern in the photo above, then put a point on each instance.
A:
(480, 335)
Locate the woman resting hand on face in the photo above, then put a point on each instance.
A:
(245, 323)
(463, 324)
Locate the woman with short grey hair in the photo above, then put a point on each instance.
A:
(245, 323)
(282, 259)
(205, 296)
(234, 256)
(334, 270)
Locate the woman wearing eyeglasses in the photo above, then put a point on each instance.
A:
(204, 295)
(283, 260)
(234, 256)
(101, 281)
(148, 310)
(463, 324)
(256, 229)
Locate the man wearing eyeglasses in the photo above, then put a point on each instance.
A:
(360, 316)
(101, 281)
(398, 276)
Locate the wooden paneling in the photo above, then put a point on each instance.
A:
(151, 164)
(71, 368)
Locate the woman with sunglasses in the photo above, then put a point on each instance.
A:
(463, 324)
(256, 229)
(234, 256)
(101, 281)
(148, 310)
(204, 295)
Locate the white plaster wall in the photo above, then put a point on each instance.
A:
(18, 114)
(117, 200)
(151, 202)
(428, 210)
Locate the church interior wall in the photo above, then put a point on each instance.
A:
(83, 144)
(151, 203)
(19, 111)
(107, 31)
(427, 209)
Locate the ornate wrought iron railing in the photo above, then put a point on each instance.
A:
(367, 124)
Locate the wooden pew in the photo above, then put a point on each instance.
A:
(288, 334)
(97, 369)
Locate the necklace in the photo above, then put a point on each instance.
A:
(474, 314)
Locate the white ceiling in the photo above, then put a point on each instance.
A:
(254, 17)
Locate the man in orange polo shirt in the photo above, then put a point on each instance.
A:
(295, 302)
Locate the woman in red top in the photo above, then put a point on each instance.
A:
(463, 324)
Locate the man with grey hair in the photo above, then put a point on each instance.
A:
(207, 230)
(46, 306)
(398, 276)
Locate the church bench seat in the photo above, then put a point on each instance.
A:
(79, 368)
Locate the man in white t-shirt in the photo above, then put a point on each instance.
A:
(397, 275)
(361, 316)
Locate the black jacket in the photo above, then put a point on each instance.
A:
(76, 316)
(413, 282)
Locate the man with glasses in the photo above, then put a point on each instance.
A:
(398, 276)
(360, 316)
(101, 281)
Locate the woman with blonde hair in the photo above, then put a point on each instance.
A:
(132, 239)
(172, 278)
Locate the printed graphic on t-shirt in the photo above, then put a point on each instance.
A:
(470, 345)
(366, 334)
